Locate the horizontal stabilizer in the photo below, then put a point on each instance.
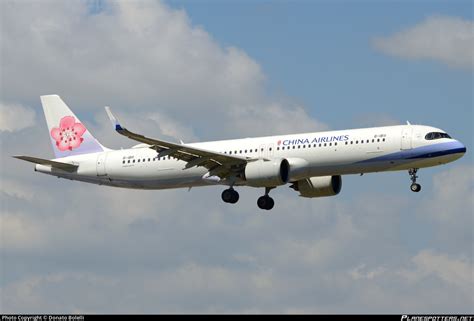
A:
(64, 166)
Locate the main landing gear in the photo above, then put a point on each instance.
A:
(230, 196)
(414, 186)
(265, 202)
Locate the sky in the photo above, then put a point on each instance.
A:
(206, 70)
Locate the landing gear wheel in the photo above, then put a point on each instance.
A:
(414, 186)
(230, 196)
(265, 202)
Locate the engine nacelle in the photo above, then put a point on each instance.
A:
(270, 173)
(299, 168)
(318, 186)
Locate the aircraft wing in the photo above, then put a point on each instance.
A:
(64, 166)
(218, 163)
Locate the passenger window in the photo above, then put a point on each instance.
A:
(378, 140)
(320, 145)
(128, 161)
(134, 161)
(294, 147)
(367, 141)
(383, 139)
(325, 144)
(270, 149)
(335, 144)
(373, 140)
(299, 146)
(330, 144)
(314, 145)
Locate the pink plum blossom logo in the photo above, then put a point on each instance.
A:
(68, 135)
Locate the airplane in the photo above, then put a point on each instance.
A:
(310, 163)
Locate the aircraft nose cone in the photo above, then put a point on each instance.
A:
(460, 148)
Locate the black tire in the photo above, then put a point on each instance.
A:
(262, 202)
(235, 197)
(415, 187)
(270, 203)
(227, 195)
(265, 202)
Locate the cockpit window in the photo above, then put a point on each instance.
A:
(436, 135)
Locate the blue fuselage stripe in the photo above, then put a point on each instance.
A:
(428, 151)
(441, 153)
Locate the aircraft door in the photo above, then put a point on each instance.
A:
(407, 133)
(101, 158)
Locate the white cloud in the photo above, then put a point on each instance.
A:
(362, 272)
(19, 231)
(172, 128)
(15, 117)
(449, 40)
(15, 189)
(451, 207)
(142, 58)
(455, 271)
(453, 190)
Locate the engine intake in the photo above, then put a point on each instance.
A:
(318, 186)
(270, 173)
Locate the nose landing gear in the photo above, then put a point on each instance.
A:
(414, 186)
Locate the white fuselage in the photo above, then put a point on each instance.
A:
(310, 154)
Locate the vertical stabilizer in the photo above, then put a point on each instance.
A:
(67, 133)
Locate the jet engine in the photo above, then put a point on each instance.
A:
(269, 173)
(318, 186)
